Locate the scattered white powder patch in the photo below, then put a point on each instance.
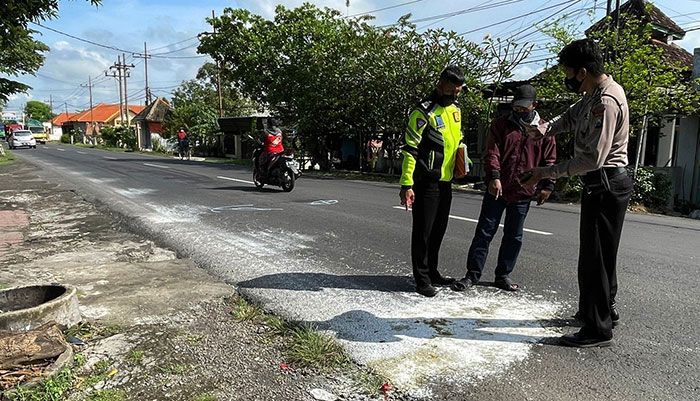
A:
(163, 214)
(133, 192)
(93, 312)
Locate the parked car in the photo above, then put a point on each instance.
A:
(22, 138)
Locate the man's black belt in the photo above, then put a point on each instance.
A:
(597, 180)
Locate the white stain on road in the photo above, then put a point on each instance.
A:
(243, 208)
(324, 202)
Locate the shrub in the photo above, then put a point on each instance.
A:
(65, 138)
(651, 189)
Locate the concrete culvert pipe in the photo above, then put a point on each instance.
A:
(25, 308)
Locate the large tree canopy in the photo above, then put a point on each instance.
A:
(335, 77)
(38, 110)
(20, 53)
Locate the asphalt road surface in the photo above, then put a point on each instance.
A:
(336, 253)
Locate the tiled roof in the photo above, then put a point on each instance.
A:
(675, 53)
(639, 8)
(103, 113)
(63, 117)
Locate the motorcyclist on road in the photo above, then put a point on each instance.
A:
(272, 142)
(182, 141)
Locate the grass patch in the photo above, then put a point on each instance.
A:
(87, 331)
(53, 389)
(204, 397)
(9, 158)
(134, 357)
(311, 348)
(277, 325)
(173, 369)
(107, 395)
(370, 382)
(246, 312)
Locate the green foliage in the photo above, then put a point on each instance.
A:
(654, 84)
(119, 137)
(21, 54)
(311, 348)
(135, 357)
(107, 395)
(245, 312)
(332, 77)
(65, 138)
(38, 110)
(651, 189)
(569, 187)
(54, 388)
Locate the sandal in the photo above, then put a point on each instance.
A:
(462, 285)
(506, 284)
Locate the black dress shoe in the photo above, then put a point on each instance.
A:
(583, 340)
(427, 291)
(614, 315)
(442, 281)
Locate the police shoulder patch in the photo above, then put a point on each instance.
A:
(457, 116)
(420, 123)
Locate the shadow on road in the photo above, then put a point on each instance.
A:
(319, 281)
(244, 188)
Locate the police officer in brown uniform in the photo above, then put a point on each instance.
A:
(600, 122)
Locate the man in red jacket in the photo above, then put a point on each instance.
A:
(509, 152)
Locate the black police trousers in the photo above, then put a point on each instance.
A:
(431, 212)
(602, 214)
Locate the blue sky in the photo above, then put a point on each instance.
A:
(170, 26)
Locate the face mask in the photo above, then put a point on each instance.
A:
(446, 100)
(526, 116)
(573, 84)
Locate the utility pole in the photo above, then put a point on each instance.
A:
(51, 103)
(126, 75)
(218, 77)
(145, 56)
(92, 118)
(118, 75)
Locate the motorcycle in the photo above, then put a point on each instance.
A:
(282, 170)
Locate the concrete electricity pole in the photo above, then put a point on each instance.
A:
(145, 56)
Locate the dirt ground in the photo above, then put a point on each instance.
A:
(157, 327)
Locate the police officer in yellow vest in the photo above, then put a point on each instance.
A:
(432, 137)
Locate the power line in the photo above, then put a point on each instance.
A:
(384, 9)
(459, 12)
(513, 18)
(176, 43)
(81, 39)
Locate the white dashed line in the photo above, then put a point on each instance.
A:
(529, 230)
(109, 158)
(156, 165)
(60, 149)
(82, 153)
(235, 179)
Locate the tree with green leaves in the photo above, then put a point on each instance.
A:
(655, 84)
(22, 54)
(38, 110)
(333, 77)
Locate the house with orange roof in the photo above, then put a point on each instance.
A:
(101, 115)
(57, 125)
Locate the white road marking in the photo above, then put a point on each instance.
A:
(243, 208)
(82, 153)
(235, 179)
(109, 158)
(529, 230)
(156, 165)
(324, 202)
(61, 149)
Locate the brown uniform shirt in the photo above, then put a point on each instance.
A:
(600, 122)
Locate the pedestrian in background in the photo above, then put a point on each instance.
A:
(433, 135)
(600, 122)
(509, 153)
